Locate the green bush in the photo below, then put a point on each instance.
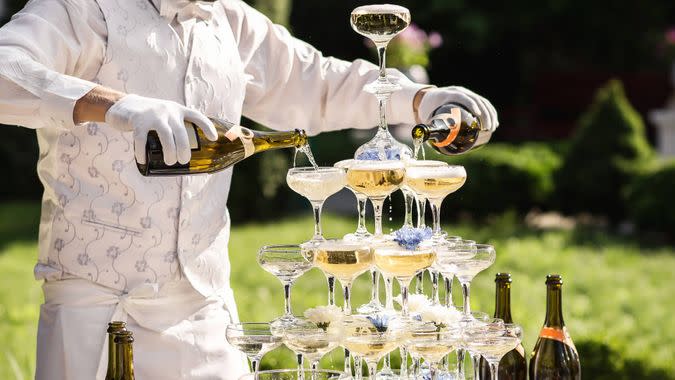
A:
(606, 152)
(599, 361)
(503, 176)
(650, 199)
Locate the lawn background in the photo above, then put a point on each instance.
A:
(617, 292)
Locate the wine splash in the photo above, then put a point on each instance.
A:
(417, 148)
(308, 152)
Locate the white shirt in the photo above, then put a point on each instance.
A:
(52, 49)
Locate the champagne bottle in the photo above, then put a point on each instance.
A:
(234, 144)
(451, 130)
(113, 328)
(513, 365)
(125, 355)
(554, 356)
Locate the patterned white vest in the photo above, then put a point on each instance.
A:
(101, 219)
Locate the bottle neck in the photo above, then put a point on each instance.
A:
(503, 302)
(125, 361)
(112, 358)
(279, 140)
(554, 317)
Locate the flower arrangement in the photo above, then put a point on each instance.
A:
(324, 316)
(440, 316)
(411, 237)
(411, 47)
(416, 302)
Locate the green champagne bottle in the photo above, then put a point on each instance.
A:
(234, 144)
(554, 356)
(125, 355)
(451, 130)
(113, 328)
(513, 366)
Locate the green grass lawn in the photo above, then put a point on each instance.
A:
(618, 304)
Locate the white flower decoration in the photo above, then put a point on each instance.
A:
(416, 302)
(440, 315)
(324, 316)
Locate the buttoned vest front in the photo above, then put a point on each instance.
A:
(102, 220)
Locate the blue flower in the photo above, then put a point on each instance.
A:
(374, 154)
(410, 237)
(380, 321)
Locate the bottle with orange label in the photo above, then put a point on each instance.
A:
(234, 144)
(451, 130)
(554, 356)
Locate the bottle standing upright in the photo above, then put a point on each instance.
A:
(124, 355)
(113, 328)
(513, 366)
(554, 356)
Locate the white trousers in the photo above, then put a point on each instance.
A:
(179, 334)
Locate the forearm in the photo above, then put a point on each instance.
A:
(94, 104)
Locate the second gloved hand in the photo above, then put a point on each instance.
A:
(478, 105)
(141, 115)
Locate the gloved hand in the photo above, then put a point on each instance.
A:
(142, 115)
(478, 105)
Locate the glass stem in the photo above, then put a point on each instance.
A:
(315, 365)
(436, 215)
(375, 289)
(287, 299)
(448, 290)
(358, 372)
(403, 369)
(466, 292)
(382, 57)
(419, 285)
(317, 206)
(331, 289)
(254, 365)
(416, 368)
(433, 371)
(389, 293)
(348, 362)
(404, 284)
(475, 359)
(361, 208)
(377, 205)
(347, 307)
(409, 197)
(372, 368)
(421, 211)
(494, 373)
(434, 287)
(460, 363)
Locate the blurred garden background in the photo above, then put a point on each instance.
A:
(577, 180)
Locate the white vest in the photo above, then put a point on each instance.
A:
(101, 219)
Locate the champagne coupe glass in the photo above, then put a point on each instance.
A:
(371, 339)
(376, 179)
(476, 259)
(435, 183)
(253, 339)
(453, 250)
(380, 23)
(421, 199)
(403, 264)
(311, 341)
(433, 345)
(287, 263)
(435, 272)
(294, 374)
(479, 324)
(345, 260)
(361, 232)
(494, 343)
(316, 184)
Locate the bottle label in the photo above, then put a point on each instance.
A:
(452, 120)
(243, 134)
(561, 335)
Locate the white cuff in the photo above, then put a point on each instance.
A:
(401, 109)
(58, 99)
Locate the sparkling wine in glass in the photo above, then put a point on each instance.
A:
(345, 260)
(295, 374)
(494, 343)
(433, 344)
(371, 338)
(376, 179)
(253, 339)
(403, 264)
(311, 341)
(434, 183)
(316, 184)
(287, 263)
(361, 232)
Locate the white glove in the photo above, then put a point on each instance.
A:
(475, 103)
(142, 115)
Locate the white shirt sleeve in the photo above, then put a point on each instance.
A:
(292, 85)
(44, 51)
